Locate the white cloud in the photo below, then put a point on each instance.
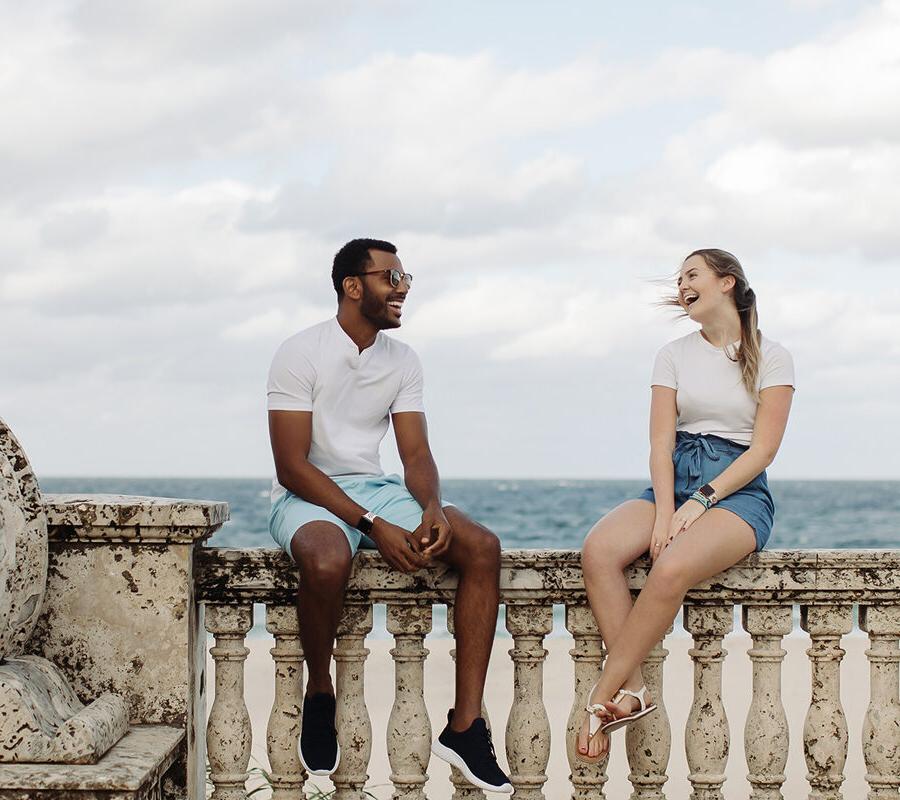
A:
(174, 182)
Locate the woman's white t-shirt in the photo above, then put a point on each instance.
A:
(710, 393)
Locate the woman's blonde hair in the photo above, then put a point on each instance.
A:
(748, 355)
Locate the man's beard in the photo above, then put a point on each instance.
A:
(376, 312)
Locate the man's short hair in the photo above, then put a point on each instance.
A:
(352, 258)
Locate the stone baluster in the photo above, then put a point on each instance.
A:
(528, 728)
(352, 718)
(462, 789)
(881, 728)
(649, 740)
(409, 729)
(706, 736)
(587, 656)
(766, 730)
(228, 734)
(825, 728)
(287, 775)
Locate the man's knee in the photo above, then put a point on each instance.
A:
(322, 554)
(482, 549)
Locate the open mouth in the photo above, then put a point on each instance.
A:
(689, 298)
(396, 305)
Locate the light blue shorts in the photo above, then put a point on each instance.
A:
(698, 458)
(386, 495)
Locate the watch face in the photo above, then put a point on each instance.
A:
(707, 491)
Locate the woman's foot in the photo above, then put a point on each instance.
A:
(628, 704)
(592, 744)
(626, 707)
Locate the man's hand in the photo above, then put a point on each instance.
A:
(434, 533)
(398, 546)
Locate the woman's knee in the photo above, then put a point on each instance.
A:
(601, 552)
(670, 575)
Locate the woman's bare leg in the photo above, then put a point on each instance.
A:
(612, 544)
(715, 542)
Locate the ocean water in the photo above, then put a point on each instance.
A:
(549, 513)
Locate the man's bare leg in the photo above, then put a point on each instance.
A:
(475, 554)
(322, 553)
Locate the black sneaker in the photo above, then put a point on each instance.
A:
(472, 753)
(319, 750)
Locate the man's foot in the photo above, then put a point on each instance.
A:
(472, 753)
(319, 750)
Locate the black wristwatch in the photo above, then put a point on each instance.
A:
(709, 493)
(366, 521)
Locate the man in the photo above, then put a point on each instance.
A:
(331, 390)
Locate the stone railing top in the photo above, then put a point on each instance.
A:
(115, 517)
(227, 575)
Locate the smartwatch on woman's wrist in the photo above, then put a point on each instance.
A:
(709, 493)
(706, 496)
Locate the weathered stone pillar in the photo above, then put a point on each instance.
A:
(228, 733)
(766, 730)
(706, 735)
(825, 729)
(352, 719)
(881, 728)
(120, 613)
(649, 740)
(462, 789)
(528, 728)
(286, 772)
(587, 655)
(409, 729)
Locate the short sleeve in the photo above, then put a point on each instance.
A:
(777, 368)
(291, 379)
(664, 373)
(410, 395)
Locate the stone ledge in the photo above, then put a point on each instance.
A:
(131, 769)
(112, 517)
(226, 575)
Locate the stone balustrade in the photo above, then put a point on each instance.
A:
(131, 588)
(826, 585)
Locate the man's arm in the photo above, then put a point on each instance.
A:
(421, 477)
(290, 433)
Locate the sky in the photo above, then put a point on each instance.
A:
(175, 179)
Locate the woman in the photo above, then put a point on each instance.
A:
(720, 403)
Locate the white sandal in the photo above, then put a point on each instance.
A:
(594, 726)
(621, 722)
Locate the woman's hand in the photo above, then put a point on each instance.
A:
(660, 535)
(686, 515)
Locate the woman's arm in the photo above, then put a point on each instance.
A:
(663, 416)
(768, 431)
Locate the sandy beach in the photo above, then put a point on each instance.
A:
(558, 698)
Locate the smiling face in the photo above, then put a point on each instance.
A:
(380, 303)
(701, 292)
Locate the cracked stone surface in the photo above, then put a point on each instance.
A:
(134, 765)
(23, 547)
(41, 718)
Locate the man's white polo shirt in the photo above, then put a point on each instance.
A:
(350, 394)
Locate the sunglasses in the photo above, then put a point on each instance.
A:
(394, 275)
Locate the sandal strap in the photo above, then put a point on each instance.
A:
(637, 695)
